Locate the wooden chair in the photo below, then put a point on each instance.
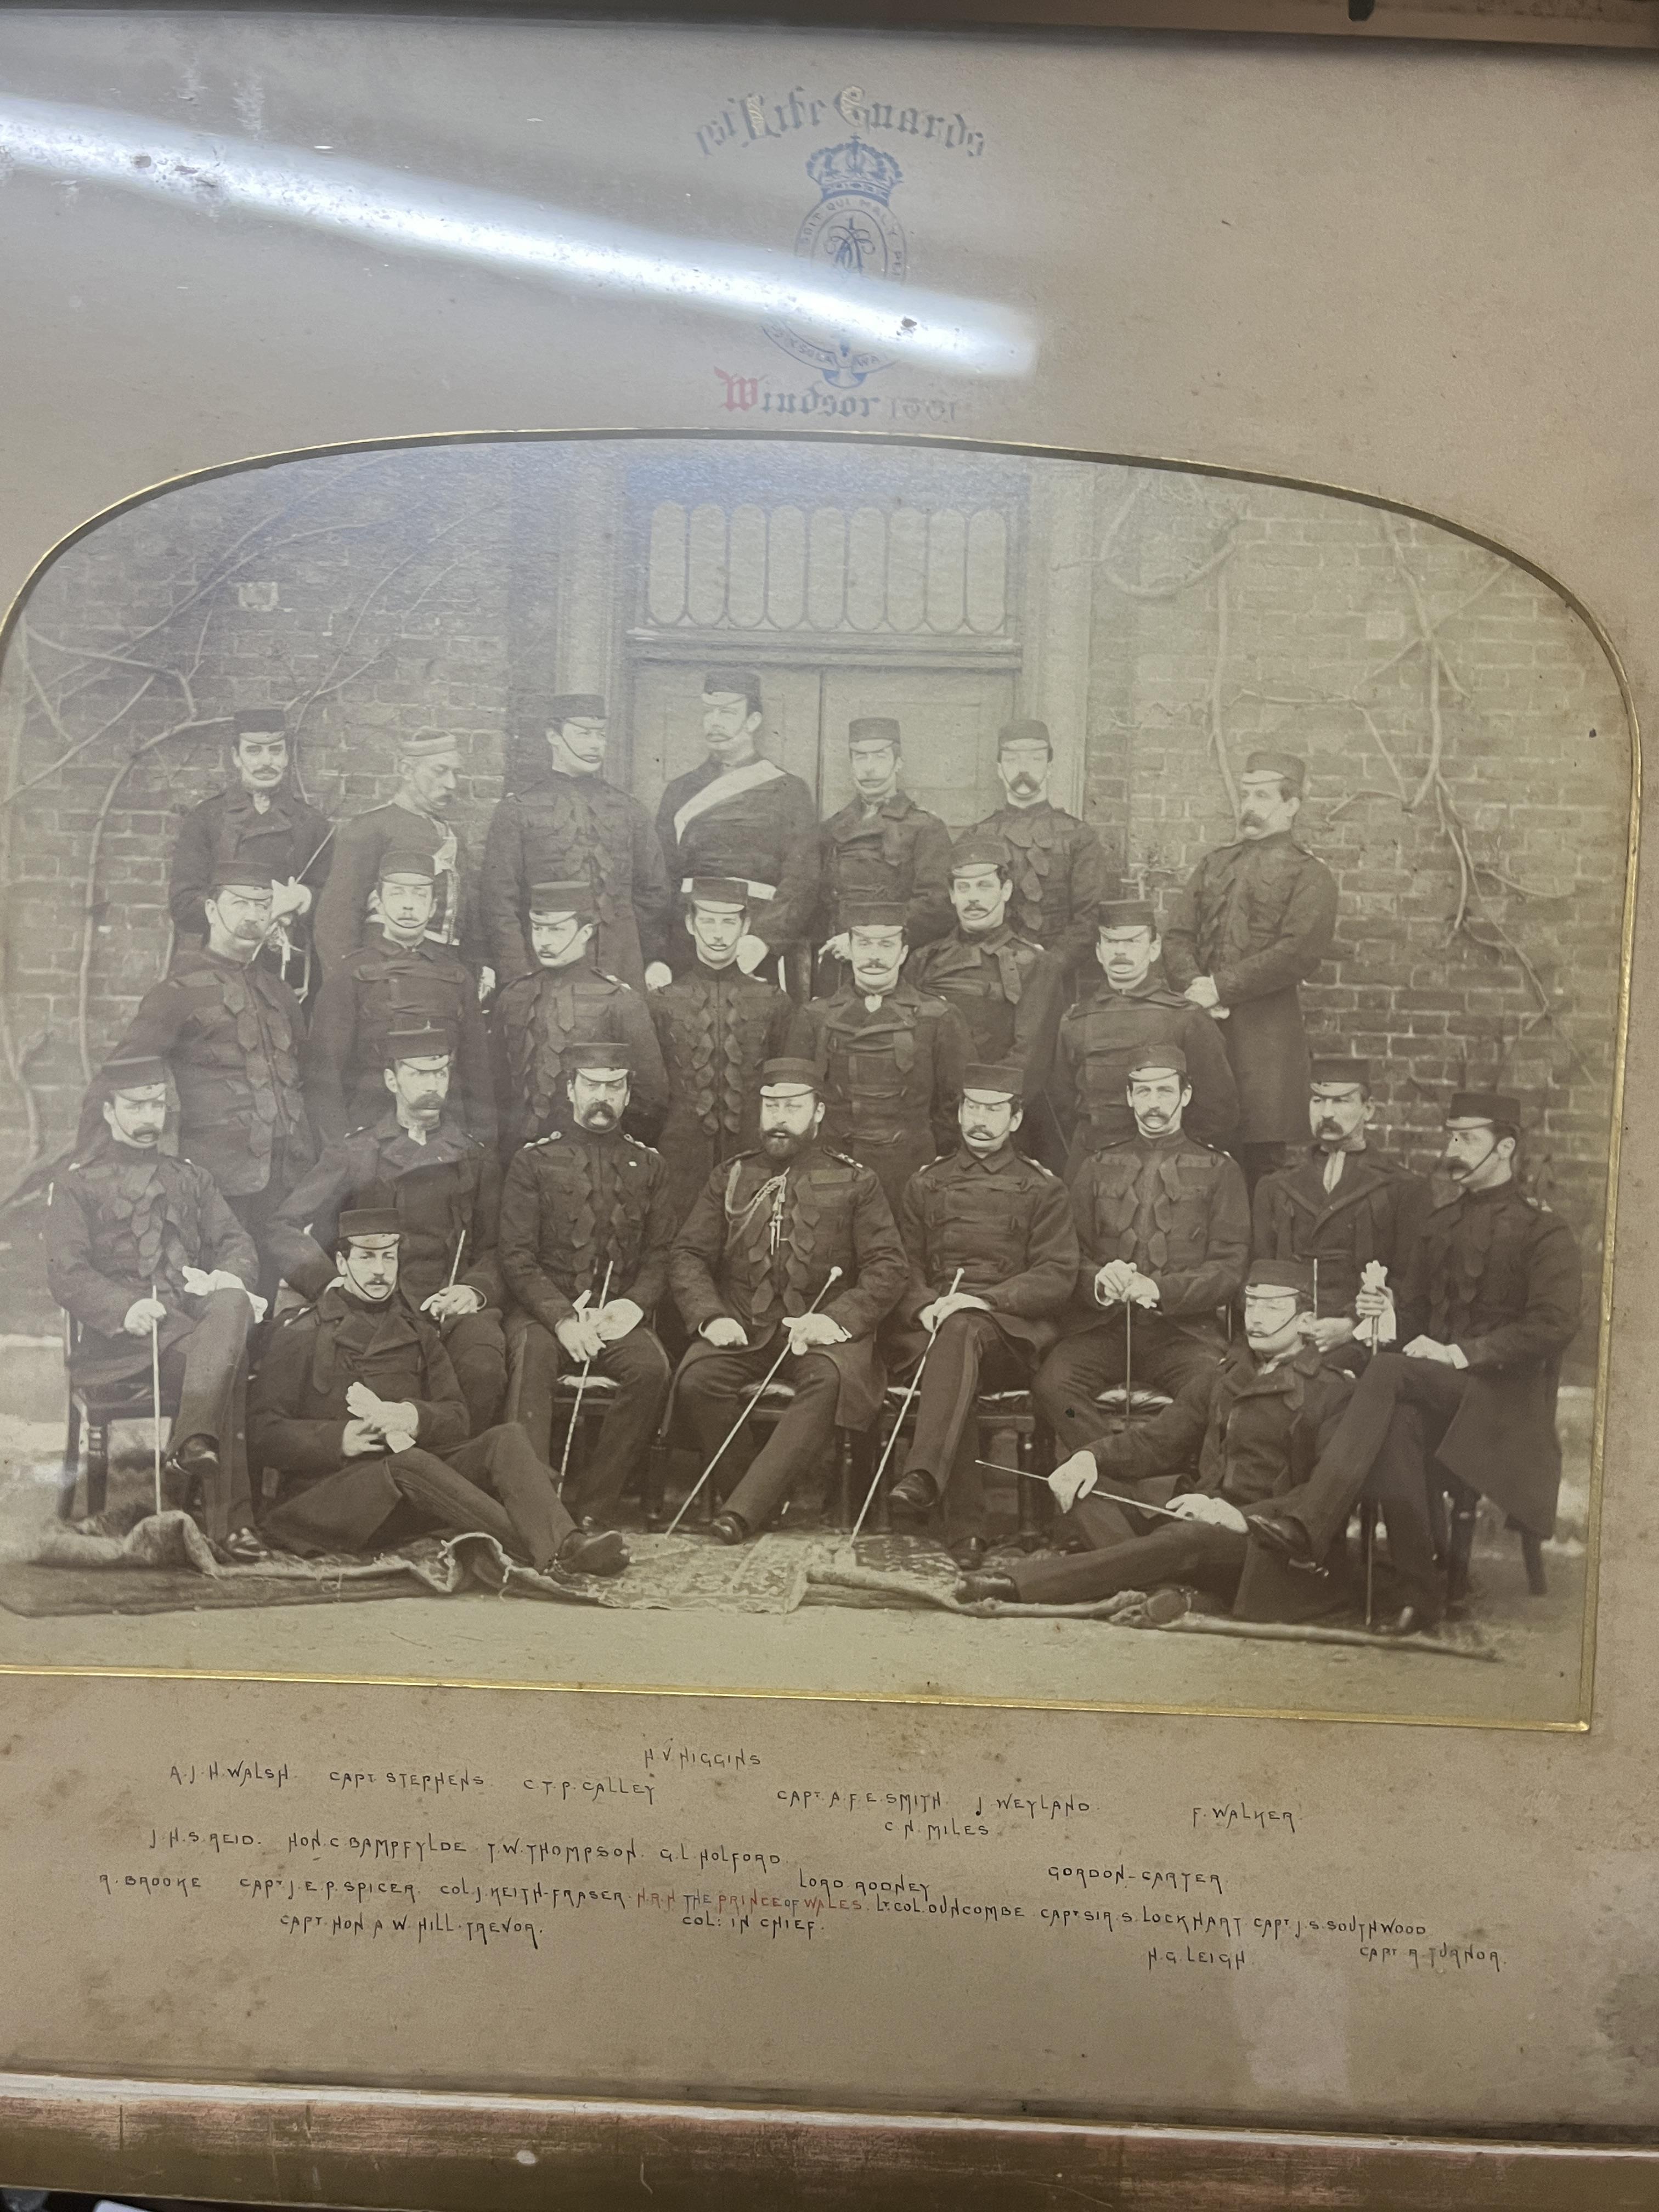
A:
(1453, 1540)
(998, 1413)
(765, 1403)
(92, 1409)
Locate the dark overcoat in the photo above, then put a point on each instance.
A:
(289, 838)
(380, 988)
(568, 829)
(297, 1414)
(445, 1188)
(1376, 1211)
(1258, 917)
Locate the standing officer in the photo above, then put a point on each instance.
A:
(230, 1033)
(1236, 1434)
(741, 816)
(1164, 1227)
(1491, 1301)
(754, 1253)
(889, 1057)
(881, 846)
(1128, 1007)
(578, 1204)
(1006, 1224)
(1059, 871)
(1343, 1203)
(260, 820)
(136, 1237)
(416, 818)
(442, 1181)
(567, 997)
(1254, 921)
(400, 976)
(356, 1408)
(567, 823)
(717, 1027)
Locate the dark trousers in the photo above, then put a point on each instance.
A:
(478, 1352)
(711, 1389)
(1381, 1448)
(637, 1364)
(970, 1353)
(206, 1373)
(494, 1483)
(1162, 1357)
(1132, 1551)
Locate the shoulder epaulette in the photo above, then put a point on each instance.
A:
(606, 977)
(847, 1161)
(551, 1137)
(297, 1314)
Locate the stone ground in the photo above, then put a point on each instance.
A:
(827, 1649)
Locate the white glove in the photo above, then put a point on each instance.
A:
(751, 952)
(140, 1314)
(453, 1301)
(658, 975)
(1072, 1478)
(201, 1285)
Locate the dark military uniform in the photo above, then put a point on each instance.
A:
(288, 838)
(1374, 1210)
(230, 1035)
(1101, 1034)
(324, 1502)
(716, 1027)
(755, 825)
(1239, 1431)
(571, 829)
(1258, 917)
(1006, 1224)
(121, 1221)
(896, 851)
(1005, 990)
(380, 988)
(443, 1190)
(536, 1016)
(759, 1244)
(1177, 1211)
(1059, 876)
(889, 1079)
(575, 1206)
(1498, 1276)
(361, 846)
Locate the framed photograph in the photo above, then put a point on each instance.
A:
(822, 1036)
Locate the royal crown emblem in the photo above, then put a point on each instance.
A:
(853, 228)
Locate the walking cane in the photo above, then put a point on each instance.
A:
(1116, 1497)
(904, 1407)
(834, 1276)
(460, 1247)
(1129, 1358)
(155, 1398)
(582, 1385)
(1372, 1277)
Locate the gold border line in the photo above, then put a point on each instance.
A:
(420, 440)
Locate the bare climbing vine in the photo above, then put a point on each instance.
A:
(51, 680)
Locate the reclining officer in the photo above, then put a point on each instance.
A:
(356, 1408)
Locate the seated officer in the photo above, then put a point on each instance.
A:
(1164, 1228)
(580, 1209)
(1343, 1203)
(356, 1408)
(1491, 1299)
(136, 1237)
(1237, 1434)
(889, 1057)
(1127, 1006)
(567, 997)
(1004, 1226)
(747, 1269)
(398, 977)
(444, 1185)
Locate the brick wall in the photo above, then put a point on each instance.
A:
(406, 590)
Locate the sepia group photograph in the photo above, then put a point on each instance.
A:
(841, 1067)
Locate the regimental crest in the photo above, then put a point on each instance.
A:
(853, 229)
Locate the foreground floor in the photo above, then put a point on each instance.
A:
(827, 1649)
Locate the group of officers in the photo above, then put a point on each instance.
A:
(686, 1104)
